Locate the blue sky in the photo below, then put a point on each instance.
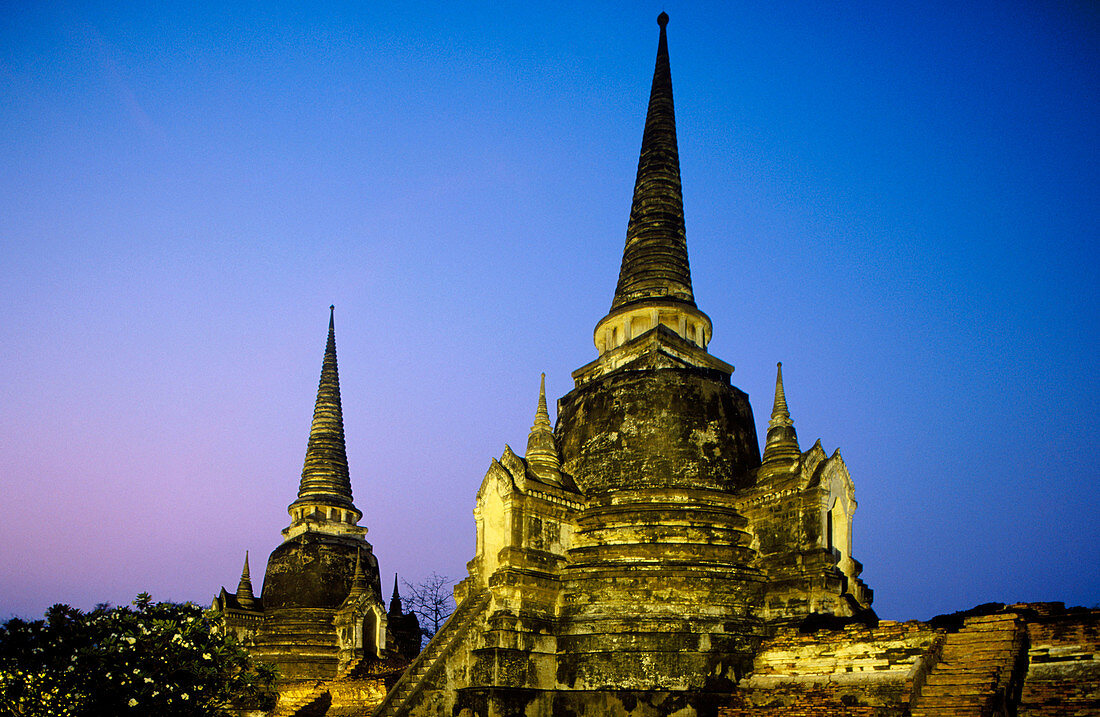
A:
(898, 201)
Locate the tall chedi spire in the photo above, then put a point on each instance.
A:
(655, 280)
(324, 494)
(781, 445)
(542, 451)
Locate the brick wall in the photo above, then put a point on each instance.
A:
(1063, 677)
(852, 672)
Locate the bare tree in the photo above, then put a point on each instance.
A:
(432, 601)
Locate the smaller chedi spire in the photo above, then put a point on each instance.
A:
(395, 599)
(324, 494)
(542, 450)
(244, 588)
(358, 578)
(781, 445)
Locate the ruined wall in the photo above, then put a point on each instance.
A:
(1063, 675)
(854, 671)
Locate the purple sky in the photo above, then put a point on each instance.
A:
(897, 200)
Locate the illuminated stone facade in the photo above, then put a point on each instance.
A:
(632, 561)
(643, 558)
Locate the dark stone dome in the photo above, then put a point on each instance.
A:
(315, 570)
(658, 428)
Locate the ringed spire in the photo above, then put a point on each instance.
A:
(781, 445)
(542, 450)
(324, 492)
(245, 597)
(655, 261)
(654, 284)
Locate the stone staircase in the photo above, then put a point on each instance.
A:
(975, 670)
(399, 699)
(291, 706)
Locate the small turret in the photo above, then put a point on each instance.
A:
(245, 598)
(405, 629)
(395, 599)
(542, 450)
(358, 578)
(781, 445)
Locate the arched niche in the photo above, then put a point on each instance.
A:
(370, 633)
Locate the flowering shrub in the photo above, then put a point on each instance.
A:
(151, 659)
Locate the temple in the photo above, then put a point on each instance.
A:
(320, 612)
(638, 554)
(642, 557)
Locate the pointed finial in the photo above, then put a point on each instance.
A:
(662, 20)
(781, 444)
(244, 587)
(780, 415)
(542, 416)
(395, 599)
(358, 579)
(542, 450)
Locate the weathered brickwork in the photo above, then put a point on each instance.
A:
(857, 670)
(979, 671)
(1063, 676)
(802, 701)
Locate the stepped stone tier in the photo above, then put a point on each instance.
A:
(642, 557)
(320, 612)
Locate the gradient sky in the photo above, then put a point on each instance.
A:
(897, 200)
